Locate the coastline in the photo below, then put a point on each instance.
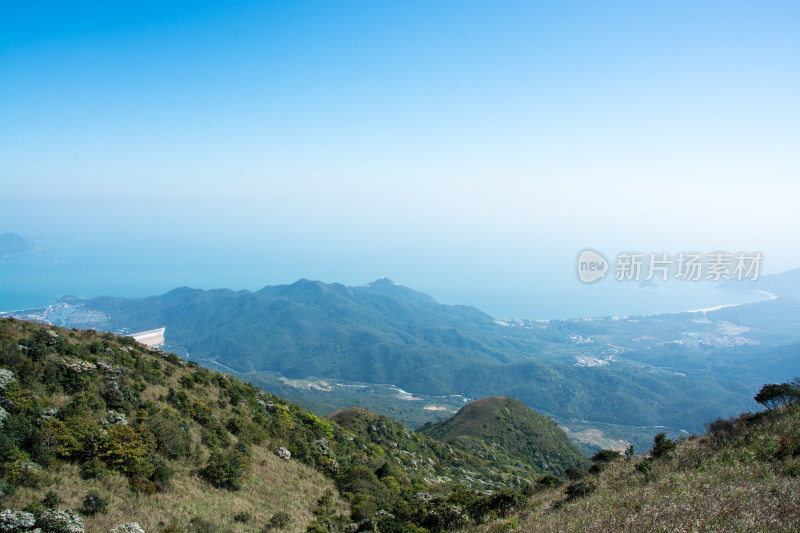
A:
(772, 296)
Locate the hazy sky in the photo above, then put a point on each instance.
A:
(441, 143)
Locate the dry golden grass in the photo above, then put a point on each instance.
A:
(734, 488)
(275, 485)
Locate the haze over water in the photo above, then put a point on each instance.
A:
(468, 149)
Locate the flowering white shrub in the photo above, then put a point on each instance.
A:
(129, 527)
(6, 377)
(59, 521)
(13, 521)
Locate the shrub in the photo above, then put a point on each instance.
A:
(6, 378)
(93, 504)
(629, 453)
(722, 431)
(36, 508)
(172, 527)
(142, 485)
(579, 489)
(662, 446)
(32, 475)
(121, 448)
(161, 473)
(58, 521)
(94, 468)
(645, 468)
(606, 456)
(226, 469)
(14, 521)
(788, 445)
(550, 481)
(596, 468)
(51, 500)
(172, 438)
(496, 504)
(114, 397)
(200, 525)
(279, 520)
(242, 517)
(574, 473)
(5, 488)
(128, 527)
(201, 412)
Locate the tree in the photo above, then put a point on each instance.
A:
(121, 448)
(773, 395)
(606, 456)
(662, 446)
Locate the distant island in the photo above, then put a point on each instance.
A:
(12, 244)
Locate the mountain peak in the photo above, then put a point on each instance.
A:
(382, 282)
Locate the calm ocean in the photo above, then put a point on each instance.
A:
(70, 267)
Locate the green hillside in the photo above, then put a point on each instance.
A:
(116, 432)
(496, 468)
(506, 430)
(171, 446)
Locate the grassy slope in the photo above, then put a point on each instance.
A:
(274, 485)
(743, 475)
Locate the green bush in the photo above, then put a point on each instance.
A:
(93, 504)
(662, 446)
(121, 448)
(35, 508)
(242, 517)
(51, 500)
(199, 525)
(645, 468)
(279, 520)
(94, 468)
(596, 468)
(550, 481)
(496, 504)
(172, 437)
(606, 456)
(226, 469)
(574, 473)
(579, 489)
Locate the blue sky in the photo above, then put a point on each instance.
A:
(448, 145)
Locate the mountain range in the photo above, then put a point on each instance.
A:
(619, 375)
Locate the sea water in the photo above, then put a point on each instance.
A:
(118, 267)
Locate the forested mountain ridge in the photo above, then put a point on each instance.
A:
(610, 374)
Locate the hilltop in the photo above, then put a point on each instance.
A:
(495, 464)
(511, 432)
